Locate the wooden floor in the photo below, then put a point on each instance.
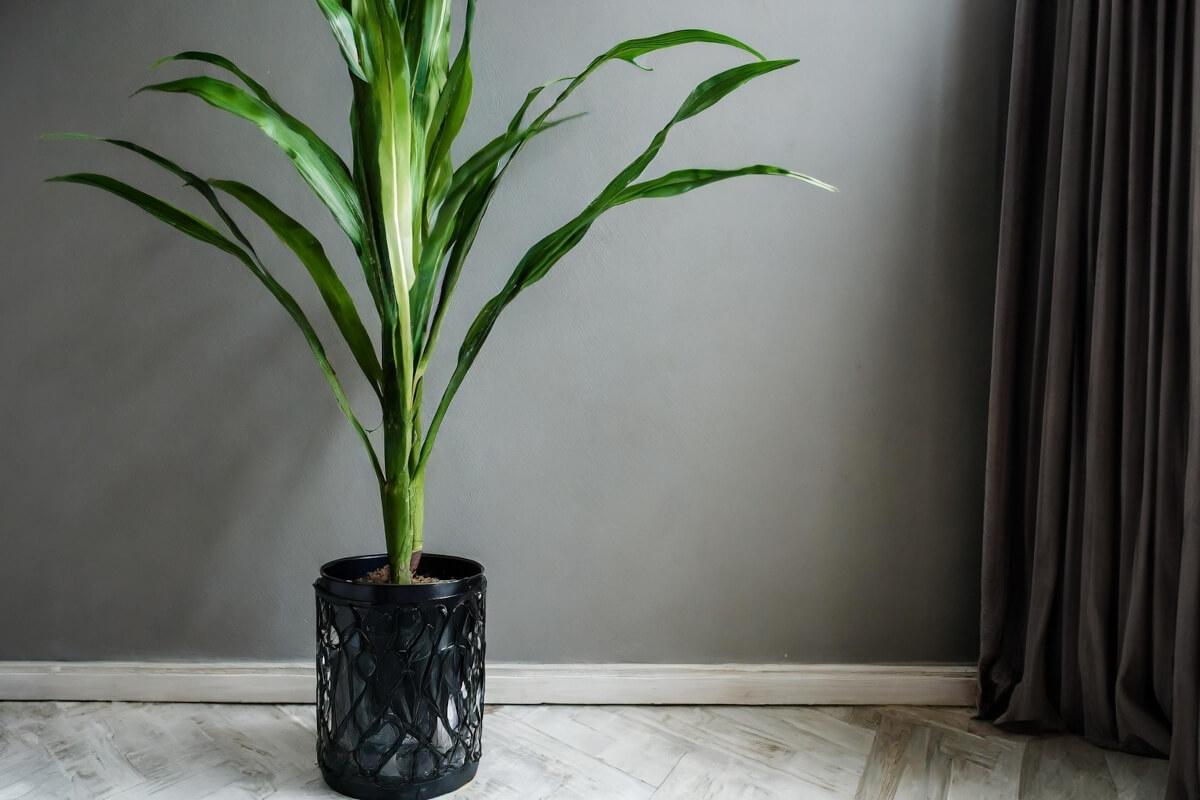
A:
(186, 752)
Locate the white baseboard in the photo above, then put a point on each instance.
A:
(525, 684)
(731, 684)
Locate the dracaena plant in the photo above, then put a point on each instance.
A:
(410, 209)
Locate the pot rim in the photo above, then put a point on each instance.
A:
(342, 588)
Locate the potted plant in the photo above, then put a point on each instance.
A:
(401, 636)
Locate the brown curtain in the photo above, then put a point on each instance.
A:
(1091, 574)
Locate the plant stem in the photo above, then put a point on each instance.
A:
(403, 519)
(416, 493)
(402, 497)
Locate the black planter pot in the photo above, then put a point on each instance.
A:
(399, 679)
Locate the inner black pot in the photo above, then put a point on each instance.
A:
(400, 679)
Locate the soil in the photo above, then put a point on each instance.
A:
(383, 577)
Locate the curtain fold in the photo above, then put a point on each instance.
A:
(1091, 573)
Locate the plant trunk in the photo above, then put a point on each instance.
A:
(403, 520)
(417, 492)
(402, 495)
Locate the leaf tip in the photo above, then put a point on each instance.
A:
(158, 62)
(752, 51)
(147, 88)
(555, 122)
(632, 60)
(811, 181)
(64, 136)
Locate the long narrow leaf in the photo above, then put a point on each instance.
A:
(312, 255)
(303, 243)
(476, 170)
(398, 171)
(546, 253)
(189, 179)
(432, 58)
(713, 90)
(518, 118)
(316, 162)
(685, 180)
(449, 114)
(390, 173)
(175, 217)
(632, 49)
(202, 231)
(218, 60)
(346, 33)
(470, 217)
(628, 51)
(366, 181)
(365, 249)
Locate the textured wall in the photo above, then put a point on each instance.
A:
(742, 425)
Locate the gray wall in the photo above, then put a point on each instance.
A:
(742, 425)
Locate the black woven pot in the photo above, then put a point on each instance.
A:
(399, 679)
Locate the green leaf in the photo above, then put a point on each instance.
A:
(366, 181)
(177, 218)
(713, 90)
(470, 217)
(202, 231)
(476, 170)
(431, 57)
(220, 61)
(685, 180)
(446, 122)
(346, 33)
(455, 99)
(633, 49)
(189, 179)
(316, 162)
(518, 119)
(366, 257)
(540, 258)
(627, 51)
(388, 153)
(312, 255)
(303, 243)
(704, 96)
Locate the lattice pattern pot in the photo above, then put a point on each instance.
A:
(400, 672)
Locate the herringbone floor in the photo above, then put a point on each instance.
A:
(186, 752)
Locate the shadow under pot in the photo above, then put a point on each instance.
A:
(400, 679)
